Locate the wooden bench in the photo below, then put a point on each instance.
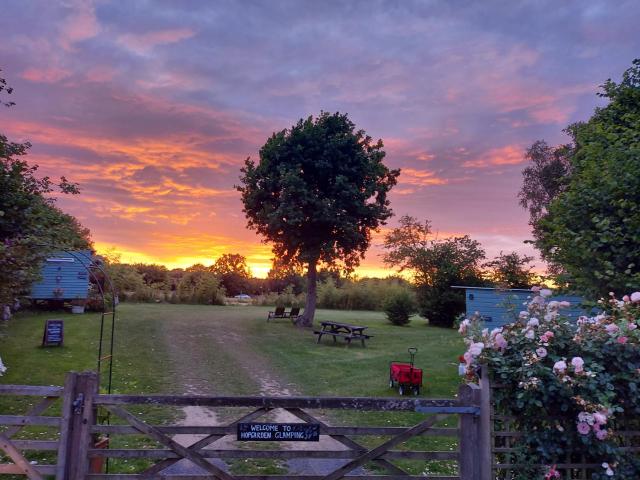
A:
(280, 312)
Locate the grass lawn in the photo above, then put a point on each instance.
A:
(230, 351)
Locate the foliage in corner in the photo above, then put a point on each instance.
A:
(571, 387)
(588, 223)
(31, 225)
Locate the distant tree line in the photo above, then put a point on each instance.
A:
(432, 267)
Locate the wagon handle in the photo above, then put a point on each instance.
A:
(412, 351)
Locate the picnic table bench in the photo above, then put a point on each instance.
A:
(344, 330)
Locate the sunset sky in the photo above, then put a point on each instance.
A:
(153, 106)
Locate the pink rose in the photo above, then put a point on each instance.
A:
(578, 364)
(601, 434)
(626, 298)
(635, 297)
(611, 328)
(500, 341)
(546, 336)
(552, 473)
(600, 418)
(463, 326)
(541, 352)
(560, 366)
(583, 428)
(632, 326)
(622, 340)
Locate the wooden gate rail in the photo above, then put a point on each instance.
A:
(412, 404)
(78, 429)
(14, 448)
(231, 430)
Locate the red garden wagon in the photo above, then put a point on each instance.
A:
(404, 376)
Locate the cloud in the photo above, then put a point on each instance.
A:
(143, 43)
(45, 75)
(81, 24)
(422, 178)
(507, 155)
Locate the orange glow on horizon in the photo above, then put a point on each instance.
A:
(257, 262)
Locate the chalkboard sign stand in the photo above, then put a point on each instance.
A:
(53, 333)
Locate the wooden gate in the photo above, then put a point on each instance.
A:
(78, 429)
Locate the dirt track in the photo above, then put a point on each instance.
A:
(201, 360)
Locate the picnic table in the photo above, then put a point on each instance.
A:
(344, 330)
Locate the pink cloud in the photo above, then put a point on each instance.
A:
(412, 176)
(82, 24)
(101, 73)
(507, 155)
(45, 75)
(143, 43)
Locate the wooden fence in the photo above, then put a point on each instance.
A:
(77, 429)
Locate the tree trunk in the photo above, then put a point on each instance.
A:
(306, 319)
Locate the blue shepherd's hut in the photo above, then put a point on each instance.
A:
(64, 276)
(498, 306)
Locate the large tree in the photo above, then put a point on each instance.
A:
(436, 265)
(592, 228)
(30, 223)
(318, 191)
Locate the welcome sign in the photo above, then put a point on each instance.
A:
(278, 432)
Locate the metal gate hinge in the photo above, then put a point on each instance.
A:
(78, 403)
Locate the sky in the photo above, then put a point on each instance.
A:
(153, 106)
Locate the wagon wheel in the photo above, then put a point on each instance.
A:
(401, 389)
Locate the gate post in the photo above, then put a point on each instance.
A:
(485, 442)
(78, 415)
(469, 445)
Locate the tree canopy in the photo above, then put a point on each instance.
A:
(511, 270)
(592, 228)
(436, 265)
(234, 273)
(318, 191)
(30, 223)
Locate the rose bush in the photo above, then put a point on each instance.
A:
(571, 386)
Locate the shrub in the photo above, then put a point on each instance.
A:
(200, 287)
(400, 307)
(571, 387)
(441, 307)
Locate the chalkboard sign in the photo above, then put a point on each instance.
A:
(278, 432)
(53, 333)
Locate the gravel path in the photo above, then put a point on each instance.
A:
(194, 369)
